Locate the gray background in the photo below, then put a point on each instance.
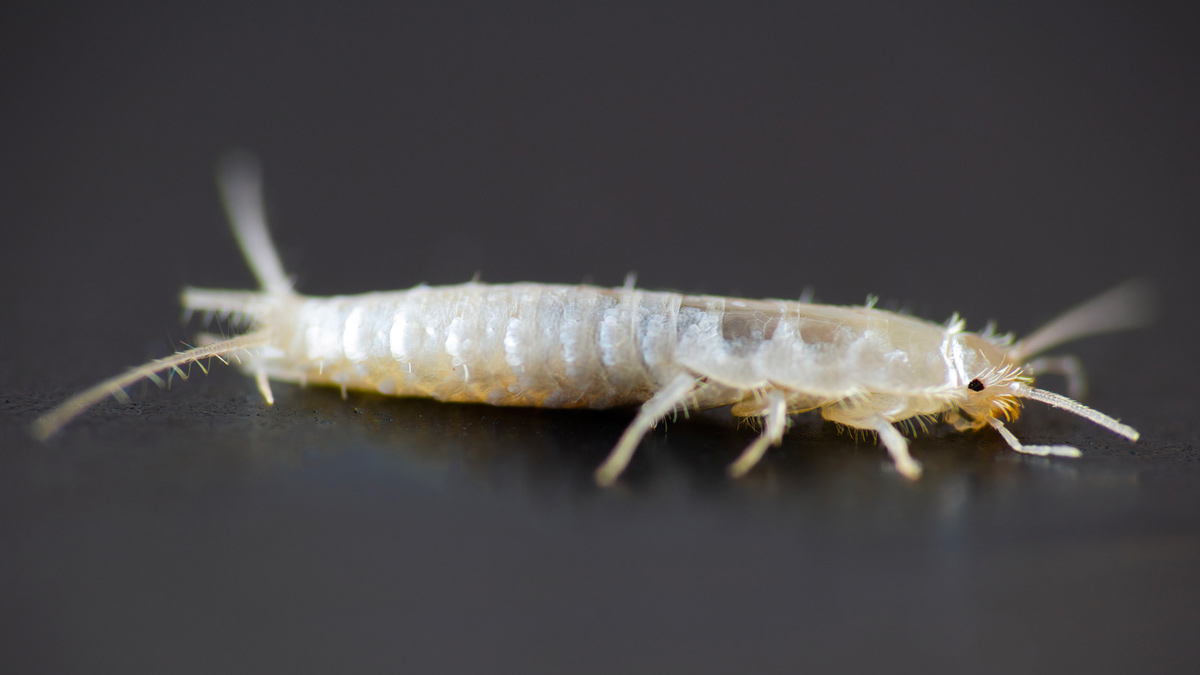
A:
(1004, 163)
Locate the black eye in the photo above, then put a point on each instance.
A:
(975, 385)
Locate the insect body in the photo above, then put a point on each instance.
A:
(584, 346)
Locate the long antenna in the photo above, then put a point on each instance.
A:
(1131, 305)
(1073, 406)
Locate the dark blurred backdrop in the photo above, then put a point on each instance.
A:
(1004, 162)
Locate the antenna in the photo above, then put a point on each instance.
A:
(1072, 406)
(1131, 305)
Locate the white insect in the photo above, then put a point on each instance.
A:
(587, 347)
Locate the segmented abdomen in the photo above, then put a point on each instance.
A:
(519, 344)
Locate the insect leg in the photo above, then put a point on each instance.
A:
(652, 411)
(264, 386)
(897, 447)
(1040, 450)
(1067, 366)
(775, 423)
(256, 367)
